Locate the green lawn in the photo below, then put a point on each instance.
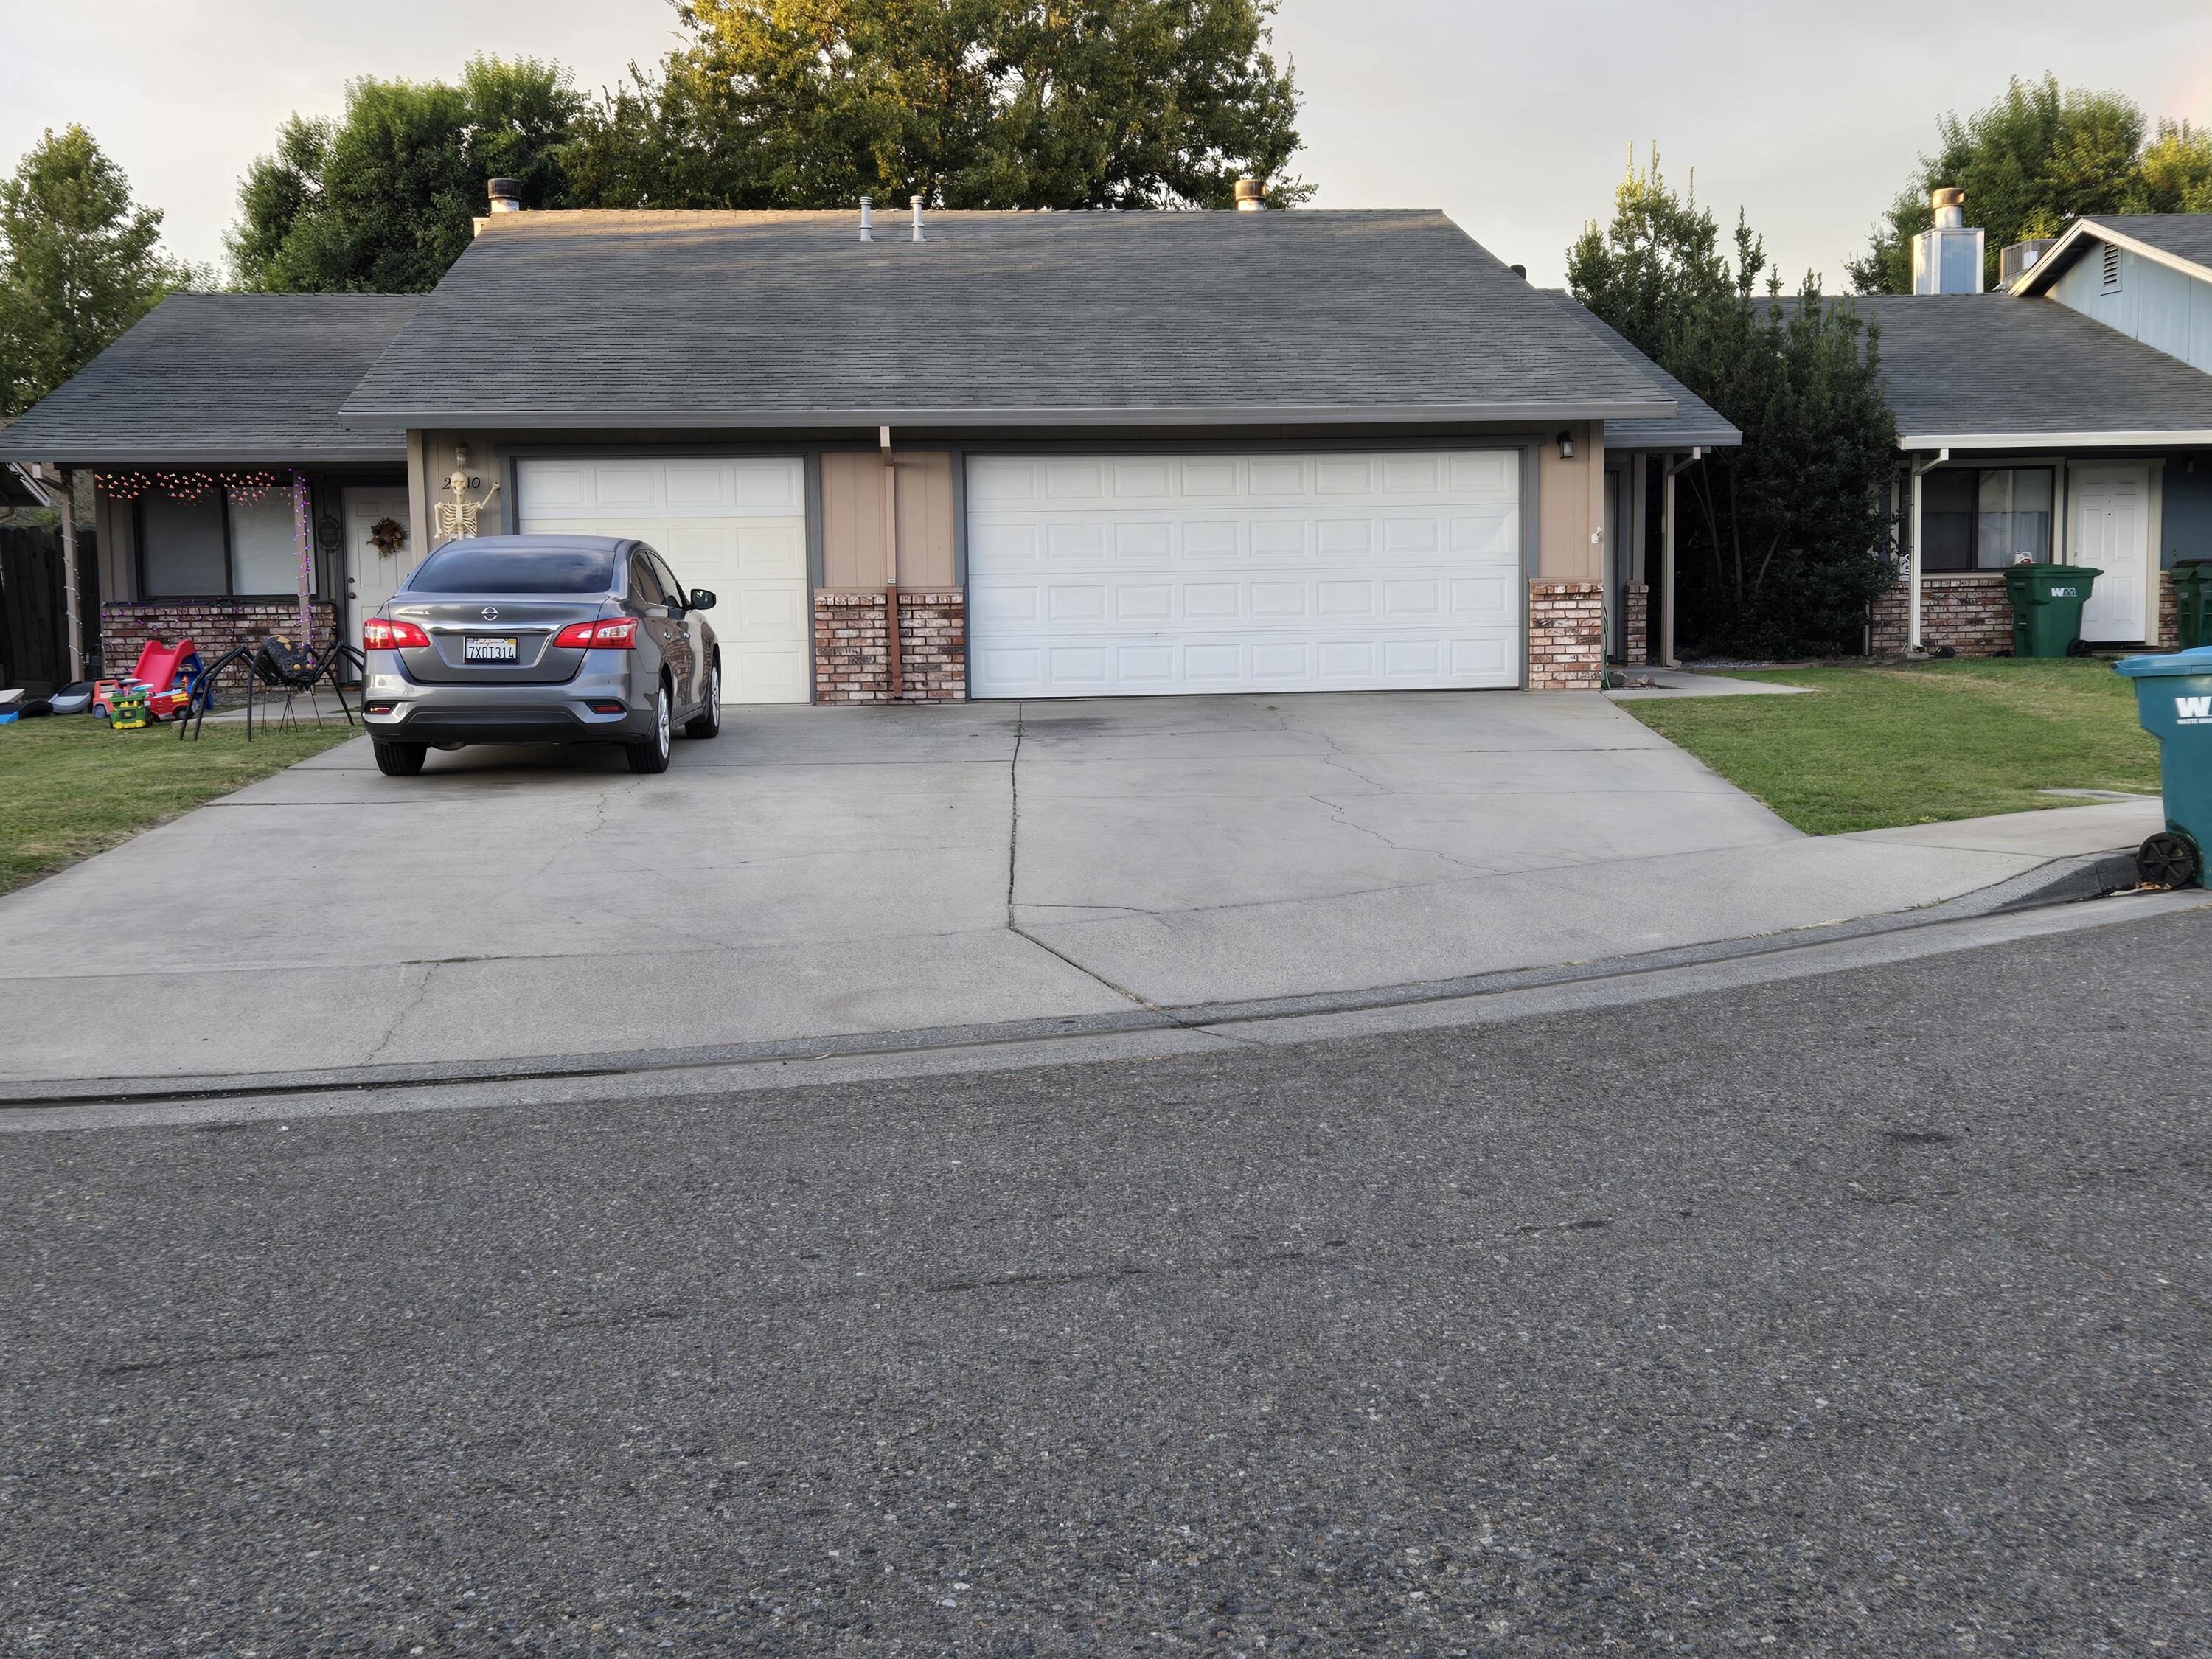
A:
(1919, 743)
(70, 787)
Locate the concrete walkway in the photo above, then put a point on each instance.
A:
(818, 873)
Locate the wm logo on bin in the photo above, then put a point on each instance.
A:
(2193, 711)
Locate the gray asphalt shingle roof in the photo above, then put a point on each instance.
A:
(646, 318)
(1968, 365)
(1695, 423)
(2184, 236)
(222, 377)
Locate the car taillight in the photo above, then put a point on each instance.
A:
(379, 634)
(620, 635)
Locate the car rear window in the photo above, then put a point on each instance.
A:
(461, 568)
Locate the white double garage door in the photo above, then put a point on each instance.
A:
(1116, 575)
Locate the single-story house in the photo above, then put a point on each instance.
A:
(196, 426)
(1074, 453)
(2066, 416)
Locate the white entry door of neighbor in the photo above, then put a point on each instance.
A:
(2112, 533)
(1109, 575)
(372, 574)
(737, 524)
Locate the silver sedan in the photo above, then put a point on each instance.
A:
(541, 639)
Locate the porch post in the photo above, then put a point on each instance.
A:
(1912, 598)
(73, 621)
(1674, 467)
(1921, 467)
(1667, 564)
(303, 540)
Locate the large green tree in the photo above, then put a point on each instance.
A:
(967, 103)
(80, 261)
(2037, 157)
(380, 199)
(1784, 541)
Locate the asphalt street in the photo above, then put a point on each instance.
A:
(1860, 1314)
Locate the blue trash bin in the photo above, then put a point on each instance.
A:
(2174, 701)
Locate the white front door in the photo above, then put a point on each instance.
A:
(372, 574)
(2111, 534)
(736, 525)
(1109, 575)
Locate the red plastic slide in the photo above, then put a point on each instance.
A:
(159, 664)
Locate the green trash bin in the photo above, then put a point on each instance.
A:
(2192, 602)
(2174, 700)
(2046, 607)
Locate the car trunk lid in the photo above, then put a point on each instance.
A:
(495, 642)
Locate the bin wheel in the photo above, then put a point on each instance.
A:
(2078, 648)
(2167, 860)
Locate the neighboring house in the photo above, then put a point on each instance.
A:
(2067, 417)
(1076, 453)
(194, 425)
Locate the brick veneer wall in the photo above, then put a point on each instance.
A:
(852, 657)
(213, 626)
(1636, 625)
(1968, 610)
(2169, 614)
(1566, 636)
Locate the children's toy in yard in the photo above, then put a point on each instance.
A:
(126, 711)
(168, 672)
(165, 674)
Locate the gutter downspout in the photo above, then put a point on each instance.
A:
(74, 623)
(1674, 467)
(890, 564)
(1920, 470)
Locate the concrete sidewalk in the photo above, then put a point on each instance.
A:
(820, 872)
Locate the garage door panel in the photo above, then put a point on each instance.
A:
(737, 525)
(1243, 573)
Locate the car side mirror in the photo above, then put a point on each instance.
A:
(702, 599)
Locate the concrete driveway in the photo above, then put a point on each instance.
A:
(819, 872)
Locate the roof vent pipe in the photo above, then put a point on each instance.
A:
(506, 195)
(867, 218)
(1251, 197)
(917, 218)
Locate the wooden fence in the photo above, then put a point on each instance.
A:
(33, 613)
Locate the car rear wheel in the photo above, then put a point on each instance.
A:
(400, 760)
(652, 754)
(708, 721)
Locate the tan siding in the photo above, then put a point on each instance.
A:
(1571, 505)
(852, 520)
(430, 463)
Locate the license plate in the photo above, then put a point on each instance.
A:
(480, 648)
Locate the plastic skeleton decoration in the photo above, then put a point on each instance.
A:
(457, 517)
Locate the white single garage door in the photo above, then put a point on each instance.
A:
(1113, 575)
(736, 525)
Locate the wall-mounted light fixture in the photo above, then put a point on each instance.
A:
(1566, 443)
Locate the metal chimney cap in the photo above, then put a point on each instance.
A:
(506, 195)
(1251, 196)
(1949, 196)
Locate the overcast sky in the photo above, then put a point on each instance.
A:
(1517, 119)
